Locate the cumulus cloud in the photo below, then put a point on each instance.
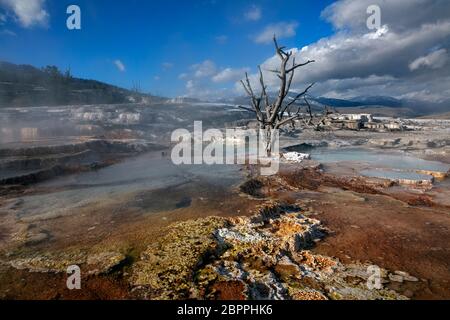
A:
(358, 61)
(229, 75)
(190, 85)
(167, 65)
(254, 13)
(204, 69)
(206, 80)
(196, 89)
(222, 39)
(7, 32)
(2, 18)
(119, 65)
(280, 29)
(434, 60)
(407, 58)
(201, 90)
(28, 13)
(399, 15)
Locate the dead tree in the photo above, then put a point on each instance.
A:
(271, 116)
(314, 121)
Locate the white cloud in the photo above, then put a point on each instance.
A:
(28, 13)
(167, 65)
(434, 60)
(201, 90)
(119, 65)
(281, 30)
(190, 84)
(399, 15)
(204, 69)
(229, 74)
(253, 14)
(156, 78)
(2, 18)
(357, 61)
(222, 39)
(7, 32)
(423, 95)
(206, 80)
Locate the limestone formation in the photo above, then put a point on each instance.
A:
(265, 256)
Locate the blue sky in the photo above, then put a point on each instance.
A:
(156, 41)
(202, 48)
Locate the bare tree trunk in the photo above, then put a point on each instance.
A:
(268, 142)
(272, 115)
(269, 137)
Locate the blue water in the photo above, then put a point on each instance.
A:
(395, 175)
(383, 159)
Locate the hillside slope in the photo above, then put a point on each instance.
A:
(25, 85)
(441, 116)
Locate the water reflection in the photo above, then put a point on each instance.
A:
(377, 159)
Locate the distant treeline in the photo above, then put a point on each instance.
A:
(25, 85)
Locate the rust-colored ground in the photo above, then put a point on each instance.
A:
(130, 227)
(397, 231)
(24, 285)
(391, 229)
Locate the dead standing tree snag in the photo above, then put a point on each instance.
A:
(271, 116)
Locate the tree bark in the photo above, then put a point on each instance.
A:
(271, 115)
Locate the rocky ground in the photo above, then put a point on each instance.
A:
(429, 139)
(305, 245)
(263, 256)
(372, 222)
(314, 231)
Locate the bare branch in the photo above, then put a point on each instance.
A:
(255, 101)
(247, 109)
(274, 115)
(291, 77)
(301, 94)
(249, 85)
(263, 89)
(246, 89)
(309, 111)
(280, 50)
(275, 42)
(287, 106)
(281, 93)
(299, 65)
(273, 71)
(283, 122)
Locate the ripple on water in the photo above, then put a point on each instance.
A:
(145, 173)
(378, 159)
(395, 174)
